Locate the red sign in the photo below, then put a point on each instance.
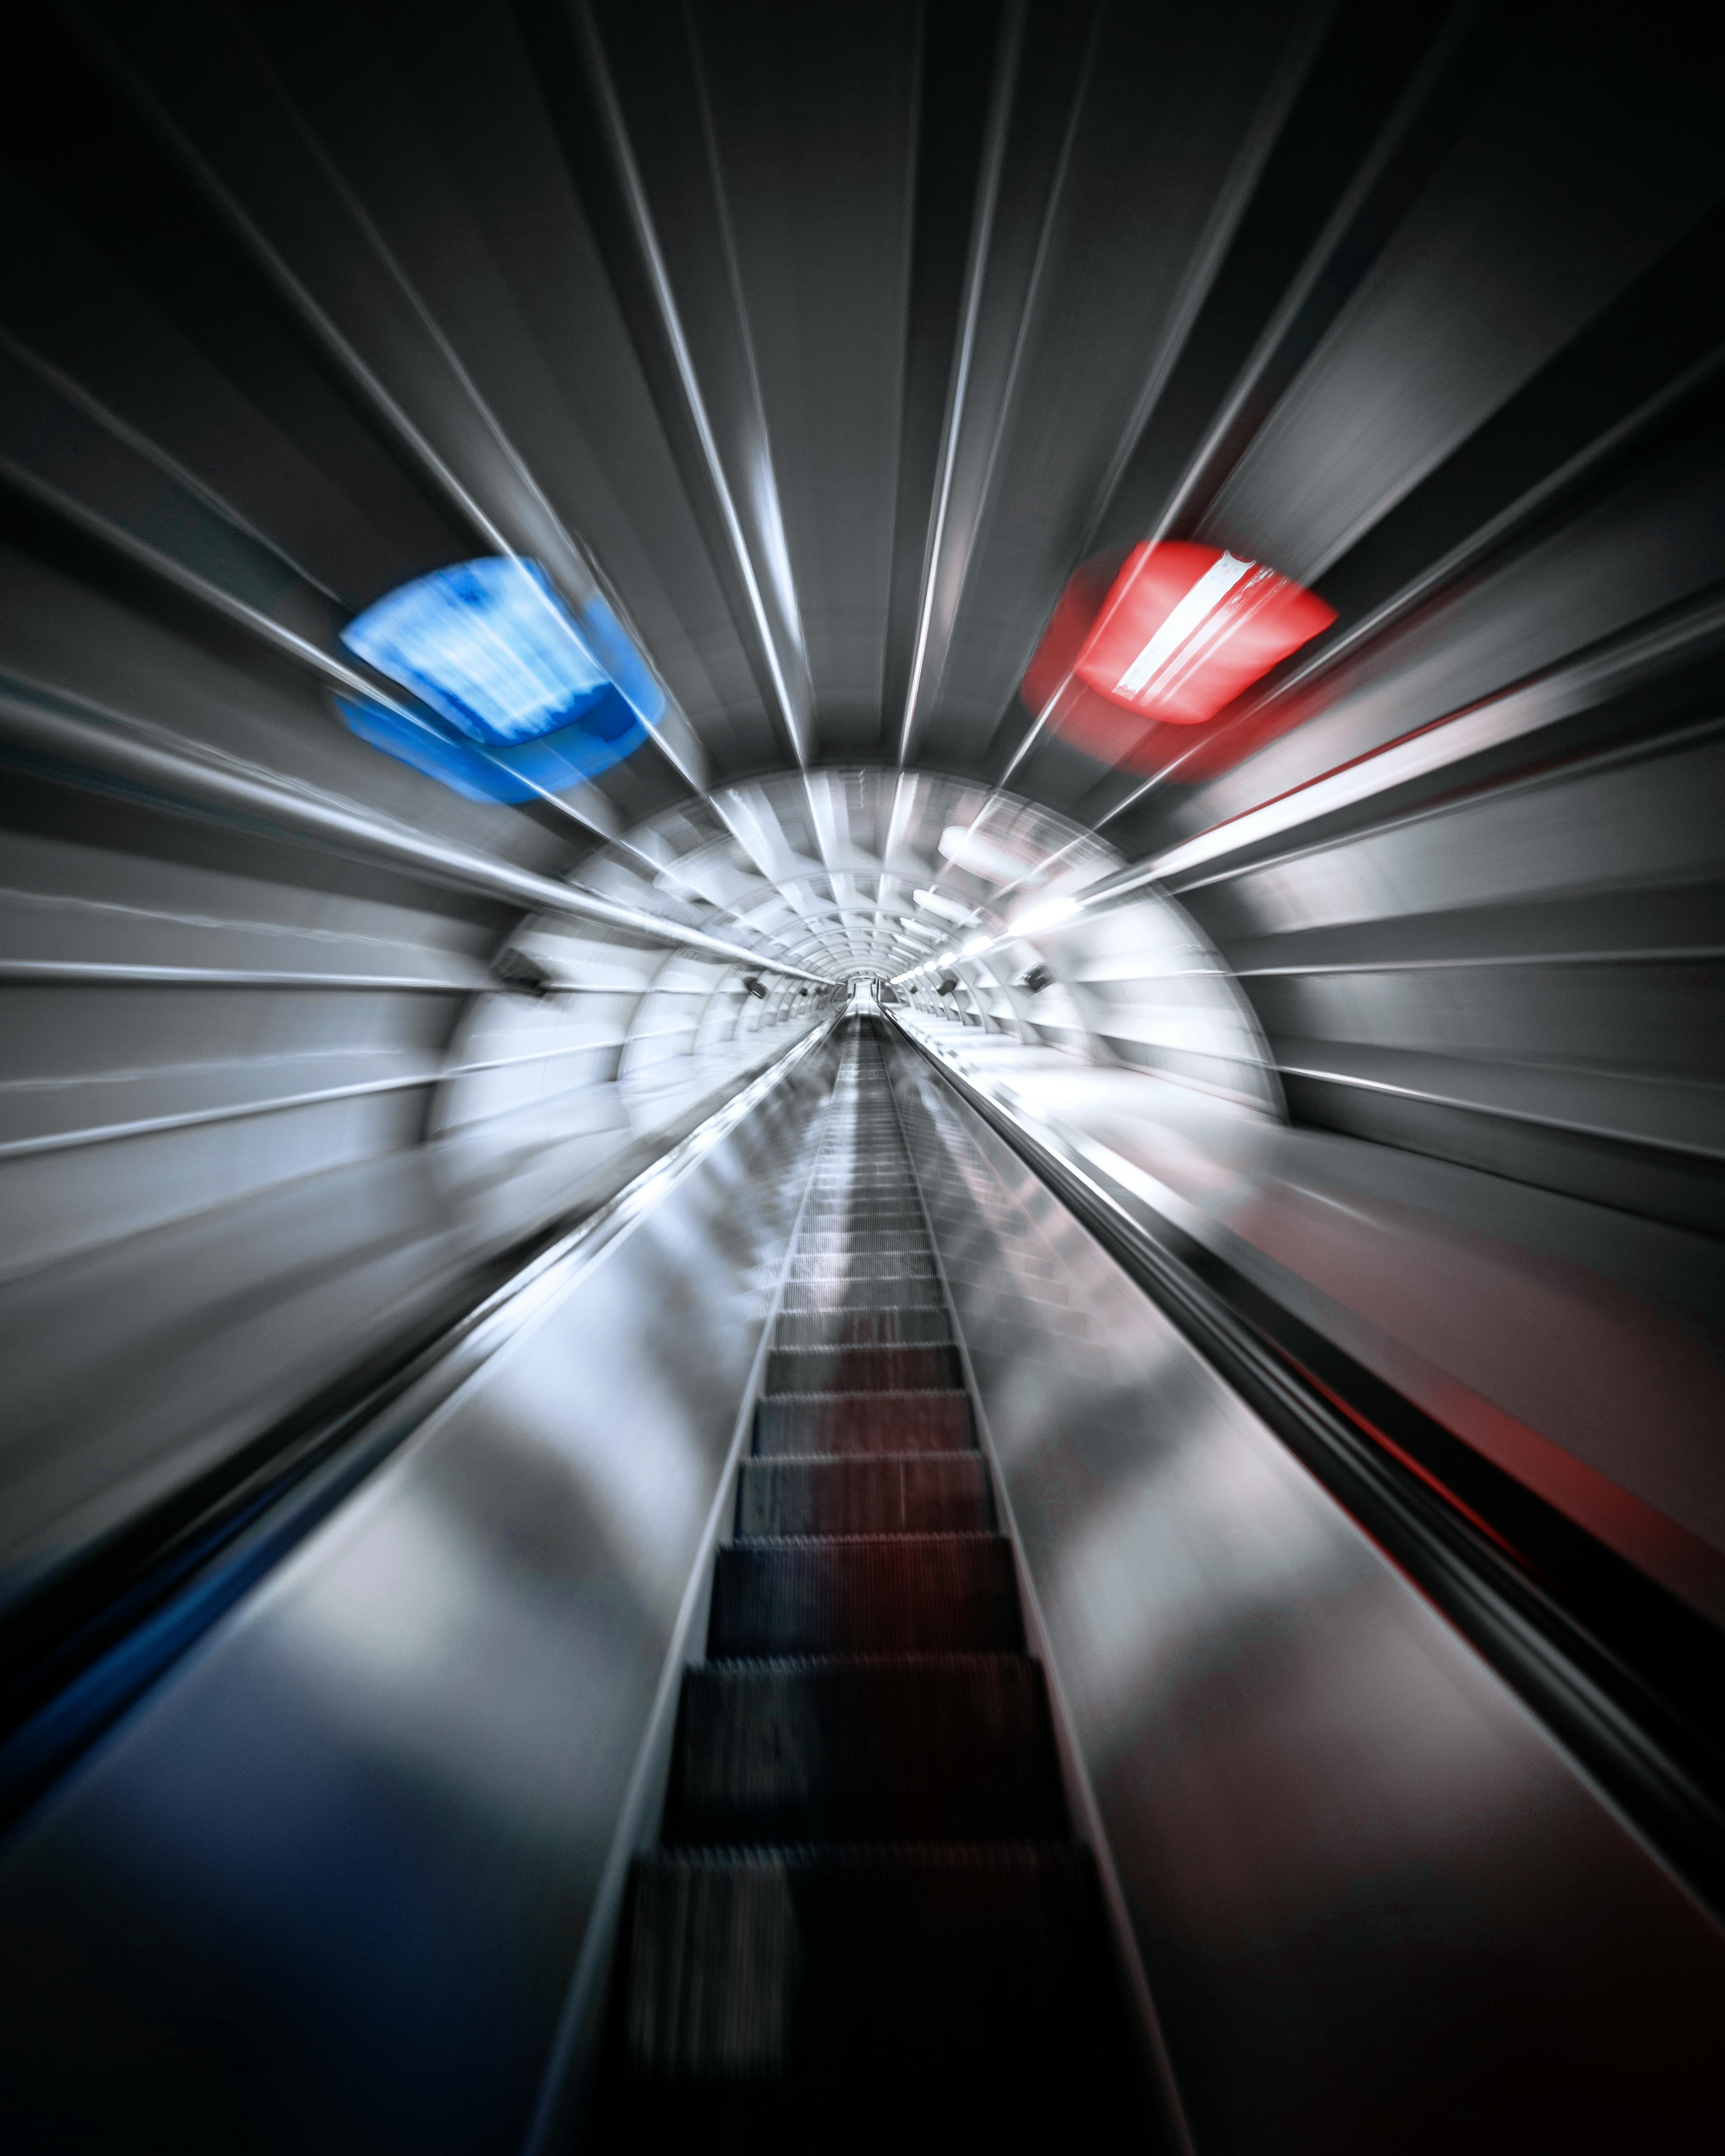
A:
(1144, 734)
(1184, 629)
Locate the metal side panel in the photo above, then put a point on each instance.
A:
(326, 1888)
(1377, 1906)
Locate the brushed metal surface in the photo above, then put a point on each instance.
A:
(326, 1888)
(1376, 1905)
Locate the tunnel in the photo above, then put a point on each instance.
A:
(804, 1347)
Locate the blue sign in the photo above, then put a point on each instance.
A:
(518, 697)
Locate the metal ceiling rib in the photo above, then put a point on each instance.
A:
(852, 904)
(172, 774)
(784, 665)
(824, 342)
(335, 235)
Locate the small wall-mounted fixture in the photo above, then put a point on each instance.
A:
(521, 975)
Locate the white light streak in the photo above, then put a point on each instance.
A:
(1050, 914)
(1212, 587)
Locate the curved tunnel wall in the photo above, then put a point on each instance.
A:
(1418, 307)
(266, 1107)
(1522, 978)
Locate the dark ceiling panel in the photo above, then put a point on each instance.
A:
(1174, 108)
(811, 122)
(1572, 178)
(827, 340)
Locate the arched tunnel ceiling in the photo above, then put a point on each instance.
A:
(861, 871)
(827, 341)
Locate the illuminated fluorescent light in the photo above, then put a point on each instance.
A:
(1049, 915)
(937, 902)
(977, 943)
(1212, 587)
(961, 844)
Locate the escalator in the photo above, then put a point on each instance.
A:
(848, 1647)
(867, 1908)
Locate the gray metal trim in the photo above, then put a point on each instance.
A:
(1562, 693)
(1649, 1140)
(633, 192)
(79, 973)
(185, 779)
(233, 1111)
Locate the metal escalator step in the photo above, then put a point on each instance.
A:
(893, 1493)
(900, 1226)
(864, 1264)
(863, 1328)
(839, 1189)
(853, 1369)
(840, 1291)
(944, 1997)
(864, 1422)
(848, 1197)
(895, 1225)
(938, 1749)
(863, 1243)
(884, 1594)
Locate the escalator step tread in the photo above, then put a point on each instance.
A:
(856, 1369)
(910, 1987)
(864, 1422)
(914, 1748)
(871, 1594)
(863, 1328)
(815, 1242)
(835, 1291)
(827, 1216)
(885, 1493)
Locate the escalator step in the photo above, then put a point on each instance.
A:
(940, 1748)
(901, 1493)
(825, 1213)
(848, 1229)
(792, 1370)
(864, 1422)
(862, 1328)
(884, 1594)
(837, 1293)
(864, 1264)
(893, 1228)
(944, 1997)
(859, 1243)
